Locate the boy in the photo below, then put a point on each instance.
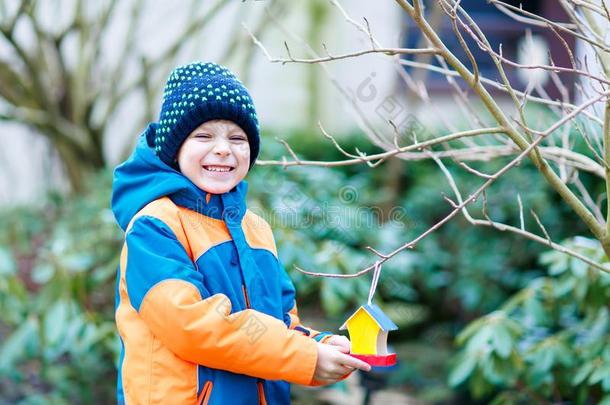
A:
(205, 311)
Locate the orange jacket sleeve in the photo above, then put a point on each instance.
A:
(169, 295)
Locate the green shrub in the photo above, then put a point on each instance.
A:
(57, 267)
(57, 277)
(548, 342)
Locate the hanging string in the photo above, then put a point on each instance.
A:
(376, 273)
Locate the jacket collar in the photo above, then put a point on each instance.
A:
(143, 178)
(230, 206)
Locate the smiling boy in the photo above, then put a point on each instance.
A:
(215, 156)
(204, 309)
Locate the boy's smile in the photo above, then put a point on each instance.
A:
(215, 156)
(218, 168)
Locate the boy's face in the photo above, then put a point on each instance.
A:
(215, 156)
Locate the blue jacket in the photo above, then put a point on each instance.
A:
(204, 309)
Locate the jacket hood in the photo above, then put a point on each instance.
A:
(143, 178)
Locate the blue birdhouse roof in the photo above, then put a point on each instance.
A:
(384, 322)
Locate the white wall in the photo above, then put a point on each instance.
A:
(28, 167)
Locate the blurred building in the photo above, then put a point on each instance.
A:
(343, 95)
(281, 92)
(524, 43)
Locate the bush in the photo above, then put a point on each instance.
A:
(548, 342)
(455, 275)
(57, 277)
(57, 267)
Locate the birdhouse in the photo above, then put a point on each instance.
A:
(368, 329)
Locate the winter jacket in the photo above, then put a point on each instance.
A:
(205, 311)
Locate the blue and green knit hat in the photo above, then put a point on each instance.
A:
(200, 92)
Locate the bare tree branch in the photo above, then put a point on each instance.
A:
(384, 155)
(329, 58)
(461, 208)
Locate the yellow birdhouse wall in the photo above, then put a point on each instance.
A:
(363, 331)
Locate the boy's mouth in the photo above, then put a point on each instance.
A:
(218, 168)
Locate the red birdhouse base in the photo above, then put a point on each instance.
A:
(377, 361)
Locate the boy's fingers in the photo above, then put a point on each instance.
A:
(342, 349)
(333, 376)
(339, 341)
(345, 340)
(353, 362)
(337, 373)
(325, 380)
(345, 370)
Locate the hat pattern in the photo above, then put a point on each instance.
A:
(196, 93)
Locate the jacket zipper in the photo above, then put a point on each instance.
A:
(261, 393)
(259, 382)
(206, 392)
(246, 296)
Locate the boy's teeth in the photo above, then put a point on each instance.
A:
(217, 169)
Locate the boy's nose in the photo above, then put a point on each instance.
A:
(223, 153)
(222, 149)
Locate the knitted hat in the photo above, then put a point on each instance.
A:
(200, 92)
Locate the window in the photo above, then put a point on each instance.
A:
(499, 29)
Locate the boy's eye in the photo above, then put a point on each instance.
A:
(203, 136)
(238, 138)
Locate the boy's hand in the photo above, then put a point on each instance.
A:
(333, 365)
(340, 342)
